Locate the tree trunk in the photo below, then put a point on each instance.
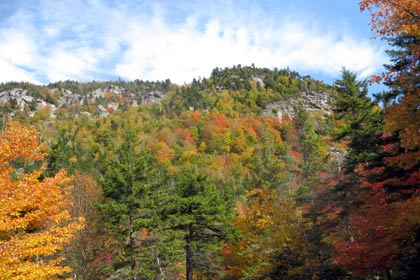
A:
(132, 240)
(388, 274)
(189, 254)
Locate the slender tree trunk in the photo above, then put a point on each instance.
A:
(132, 240)
(388, 274)
(160, 268)
(189, 254)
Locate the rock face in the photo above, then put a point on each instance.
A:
(110, 98)
(310, 100)
(69, 98)
(105, 100)
(17, 96)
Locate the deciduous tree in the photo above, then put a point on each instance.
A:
(88, 251)
(385, 227)
(35, 221)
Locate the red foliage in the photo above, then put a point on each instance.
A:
(220, 121)
(227, 161)
(184, 136)
(286, 119)
(374, 241)
(383, 227)
(107, 258)
(296, 154)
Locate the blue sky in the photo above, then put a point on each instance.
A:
(49, 40)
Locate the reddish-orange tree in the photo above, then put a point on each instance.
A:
(393, 17)
(385, 228)
(34, 219)
(399, 22)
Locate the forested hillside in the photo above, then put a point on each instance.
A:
(250, 173)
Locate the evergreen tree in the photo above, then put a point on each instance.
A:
(361, 121)
(270, 159)
(195, 211)
(390, 211)
(351, 96)
(128, 212)
(61, 151)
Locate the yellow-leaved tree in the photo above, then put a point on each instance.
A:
(34, 212)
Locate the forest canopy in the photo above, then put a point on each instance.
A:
(250, 173)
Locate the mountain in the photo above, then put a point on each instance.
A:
(94, 99)
(259, 141)
(260, 90)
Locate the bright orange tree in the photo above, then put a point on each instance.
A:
(34, 218)
(393, 17)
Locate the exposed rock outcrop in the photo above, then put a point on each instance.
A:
(104, 99)
(310, 100)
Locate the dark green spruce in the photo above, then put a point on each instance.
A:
(128, 211)
(195, 210)
(361, 122)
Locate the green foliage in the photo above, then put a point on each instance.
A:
(351, 96)
(128, 209)
(174, 174)
(196, 208)
(361, 120)
(270, 162)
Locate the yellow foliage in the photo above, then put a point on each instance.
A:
(269, 224)
(163, 153)
(34, 218)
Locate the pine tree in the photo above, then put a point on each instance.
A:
(128, 212)
(270, 160)
(196, 212)
(390, 212)
(361, 121)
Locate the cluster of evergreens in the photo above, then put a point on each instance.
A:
(203, 186)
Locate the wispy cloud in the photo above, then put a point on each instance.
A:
(58, 40)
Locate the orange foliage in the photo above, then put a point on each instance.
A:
(195, 116)
(34, 218)
(251, 130)
(165, 135)
(399, 18)
(184, 137)
(88, 249)
(220, 121)
(163, 153)
(275, 132)
(393, 17)
(297, 155)
(404, 118)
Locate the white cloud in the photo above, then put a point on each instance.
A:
(63, 65)
(16, 47)
(10, 72)
(157, 50)
(150, 41)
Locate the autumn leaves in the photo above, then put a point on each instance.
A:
(34, 214)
